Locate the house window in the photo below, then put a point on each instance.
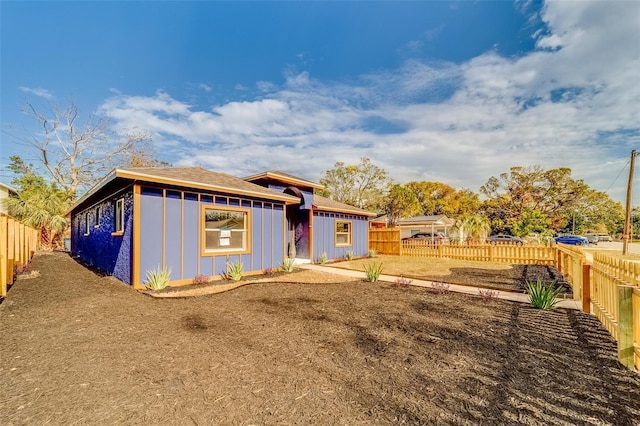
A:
(343, 233)
(119, 216)
(87, 225)
(226, 230)
(96, 224)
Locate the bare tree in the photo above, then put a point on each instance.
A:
(77, 154)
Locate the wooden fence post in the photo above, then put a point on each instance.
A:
(586, 288)
(11, 246)
(559, 260)
(625, 326)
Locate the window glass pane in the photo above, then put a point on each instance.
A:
(225, 230)
(343, 233)
(342, 238)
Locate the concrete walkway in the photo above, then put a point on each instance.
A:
(468, 289)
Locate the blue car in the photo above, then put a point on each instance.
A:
(575, 240)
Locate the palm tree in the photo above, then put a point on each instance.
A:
(473, 227)
(42, 206)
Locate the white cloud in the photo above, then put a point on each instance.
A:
(574, 102)
(40, 92)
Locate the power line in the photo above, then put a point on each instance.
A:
(614, 181)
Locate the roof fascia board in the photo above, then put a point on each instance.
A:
(282, 178)
(125, 174)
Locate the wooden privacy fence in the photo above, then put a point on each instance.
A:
(17, 245)
(615, 298)
(385, 240)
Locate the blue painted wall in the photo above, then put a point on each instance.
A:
(175, 239)
(100, 249)
(324, 235)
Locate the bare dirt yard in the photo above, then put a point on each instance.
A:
(78, 348)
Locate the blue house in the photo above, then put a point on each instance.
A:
(195, 221)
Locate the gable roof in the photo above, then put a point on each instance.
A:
(284, 177)
(323, 203)
(9, 189)
(192, 178)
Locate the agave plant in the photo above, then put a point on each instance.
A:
(157, 279)
(287, 264)
(322, 259)
(234, 271)
(543, 295)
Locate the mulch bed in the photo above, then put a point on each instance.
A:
(78, 348)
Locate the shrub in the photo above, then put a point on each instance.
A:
(234, 271)
(157, 279)
(322, 259)
(200, 279)
(287, 264)
(439, 288)
(402, 282)
(373, 271)
(543, 295)
(488, 295)
(349, 255)
(372, 253)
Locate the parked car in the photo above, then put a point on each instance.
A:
(592, 238)
(604, 238)
(437, 237)
(576, 240)
(505, 239)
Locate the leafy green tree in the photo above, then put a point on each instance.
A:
(400, 203)
(363, 185)
(554, 194)
(438, 198)
(39, 204)
(530, 222)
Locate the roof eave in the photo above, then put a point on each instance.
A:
(283, 178)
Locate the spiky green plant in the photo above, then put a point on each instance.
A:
(287, 264)
(373, 271)
(157, 279)
(234, 271)
(322, 259)
(372, 253)
(543, 295)
(349, 255)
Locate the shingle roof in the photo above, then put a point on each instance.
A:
(323, 203)
(191, 177)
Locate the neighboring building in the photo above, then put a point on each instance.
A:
(433, 224)
(5, 192)
(195, 221)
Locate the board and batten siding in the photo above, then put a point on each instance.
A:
(324, 235)
(171, 232)
(100, 248)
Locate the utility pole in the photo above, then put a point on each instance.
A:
(626, 233)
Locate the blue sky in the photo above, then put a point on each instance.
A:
(443, 91)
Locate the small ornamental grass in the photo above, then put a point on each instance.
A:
(543, 295)
(372, 253)
(349, 255)
(402, 282)
(373, 271)
(157, 279)
(234, 271)
(322, 259)
(488, 295)
(287, 264)
(438, 287)
(200, 279)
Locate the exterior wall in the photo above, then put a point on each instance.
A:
(4, 193)
(324, 235)
(171, 233)
(99, 248)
